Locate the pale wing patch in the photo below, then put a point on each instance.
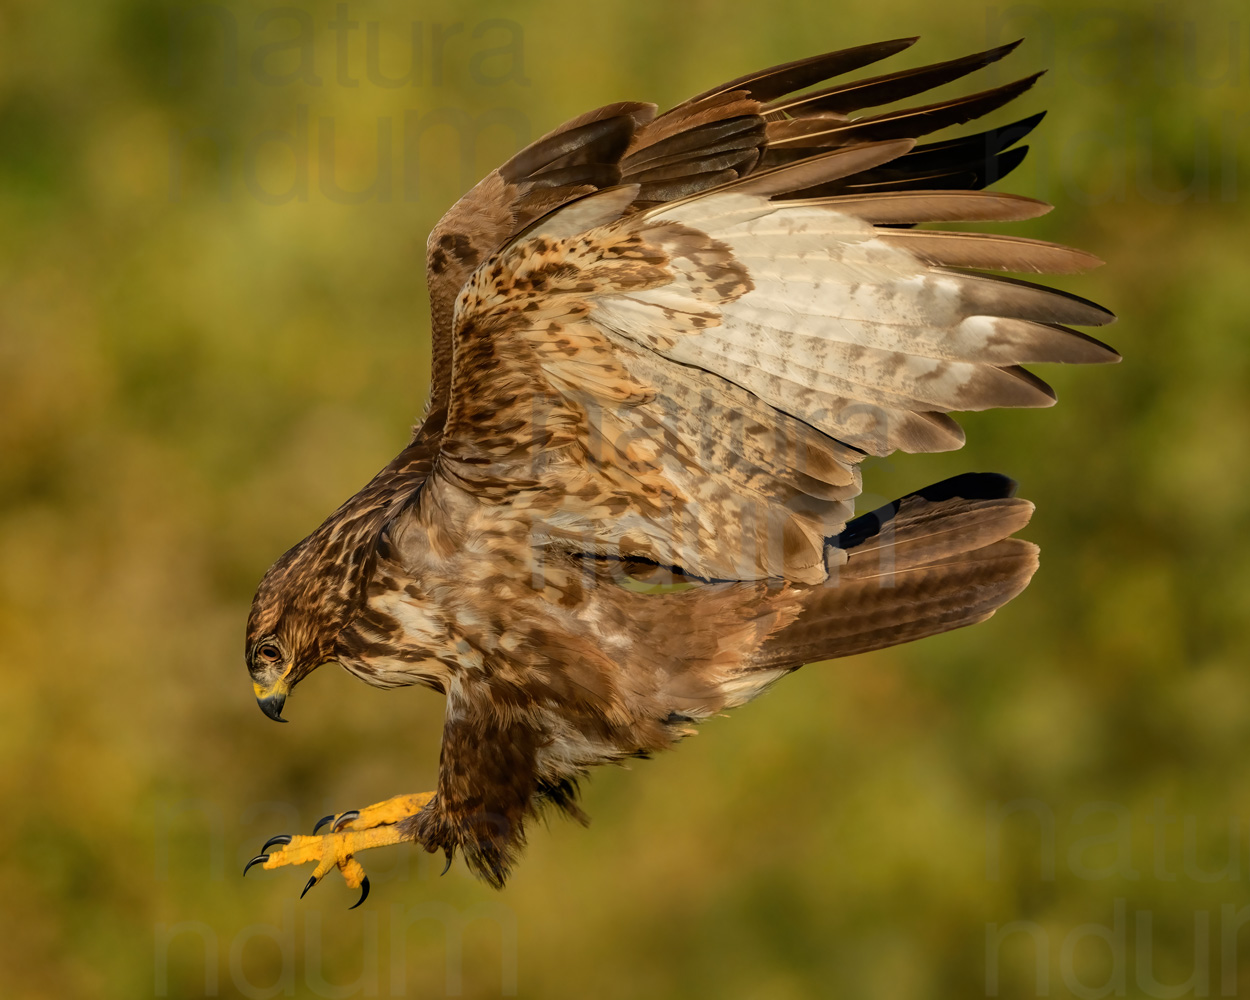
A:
(849, 327)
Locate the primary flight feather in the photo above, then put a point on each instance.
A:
(662, 344)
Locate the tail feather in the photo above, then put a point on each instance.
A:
(933, 561)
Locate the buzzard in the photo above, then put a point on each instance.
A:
(662, 345)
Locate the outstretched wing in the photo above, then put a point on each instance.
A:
(690, 374)
(748, 124)
(694, 384)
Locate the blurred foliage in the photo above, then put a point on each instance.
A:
(194, 370)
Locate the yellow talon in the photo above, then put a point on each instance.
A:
(330, 851)
(351, 832)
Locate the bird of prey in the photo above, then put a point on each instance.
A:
(662, 345)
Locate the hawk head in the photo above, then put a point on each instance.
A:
(309, 595)
(299, 609)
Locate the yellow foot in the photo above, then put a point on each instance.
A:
(352, 832)
(378, 814)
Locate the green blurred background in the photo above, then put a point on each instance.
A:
(201, 354)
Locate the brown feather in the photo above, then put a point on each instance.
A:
(905, 207)
(880, 90)
(771, 83)
(913, 122)
(939, 566)
(991, 250)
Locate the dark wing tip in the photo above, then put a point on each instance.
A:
(970, 486)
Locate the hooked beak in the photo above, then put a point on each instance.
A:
(271, 699)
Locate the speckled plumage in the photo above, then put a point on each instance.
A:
(662, 345)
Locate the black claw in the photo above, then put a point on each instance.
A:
(364, 892)
(322, 822)
(446, 867)
(281, 839)
(258, 860)
(347, 817)
(311, 882)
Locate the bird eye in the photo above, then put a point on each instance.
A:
(269, 653)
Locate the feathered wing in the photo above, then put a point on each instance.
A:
(694, 383)
(690, 327)
(748, 124)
